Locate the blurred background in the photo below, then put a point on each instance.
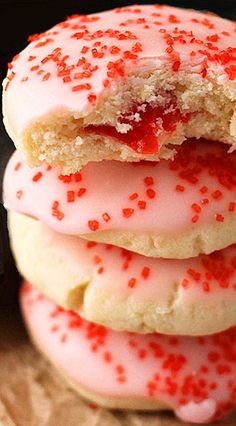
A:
(19, 19)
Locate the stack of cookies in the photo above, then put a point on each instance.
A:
(122, 205)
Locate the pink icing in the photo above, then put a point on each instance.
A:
(197, 412)
(198, 188)
(193, 376)
(70, 66)
(208, 280)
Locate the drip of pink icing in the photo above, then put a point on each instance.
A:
(198, 188)
(197, 412)
(193, 376)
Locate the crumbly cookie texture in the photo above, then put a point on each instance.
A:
(123, 290)
(172, 209)
(194, 377)
(120, 84)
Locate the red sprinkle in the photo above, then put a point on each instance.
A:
(70, 196)
(132, 282)
(19, 194)
(219, 217)
(180, 188)
(133, 196)
(81, 192)
(142, 205)
(148, 181)
(37, 177)
(93, 225)
(106, 217)
(127, 212)
(145, 272)
(151, 193)
(17, 166)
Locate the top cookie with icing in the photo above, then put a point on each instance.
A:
(119, 84)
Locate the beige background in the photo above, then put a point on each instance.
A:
(33, 394)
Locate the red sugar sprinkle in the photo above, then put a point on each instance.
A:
(93, 406)
(46, 76)
(206, 286)
(204, 201)
(217, 194)
(196, 208)
(148, 181)
(114, 50)
(92, 98)
(97, 259)
(151, 193)
(175, 66)
(81, 192)
(231, 207)
(120, 369)
(56, 212)
(77, 176)
(194, 274)
(180, 188)
(85, 86)
(55, 205)
(17, 166)
(100, 270)
(219, 217)
(142, 353)
(145, 272)
(133, 196)
(19, 194)
(185, 283)
(37, 177)
(91, 244)
(107, 356)
(106, 217)
(93, 225)
(59, 215)
(70, 196)
(132, 282)
(195, 218)
(127, 212)
(67, 79)
(106, 83)
(63, 338)
(142, 205)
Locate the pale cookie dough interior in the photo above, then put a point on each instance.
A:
(123, 290)
(109, 69)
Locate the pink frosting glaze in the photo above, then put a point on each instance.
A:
(70, 66)
(165, 198)
(206, 279)
(193, 376)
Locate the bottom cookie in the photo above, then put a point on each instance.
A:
(195, 377)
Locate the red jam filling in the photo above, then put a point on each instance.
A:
(143, 137)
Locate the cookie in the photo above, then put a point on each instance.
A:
(123, 290)
(195, 377)
(172, 209)
(122, 84)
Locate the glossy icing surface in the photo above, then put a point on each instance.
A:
(166, 198)
(71, 65)
(206, 279)
(193, 376)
